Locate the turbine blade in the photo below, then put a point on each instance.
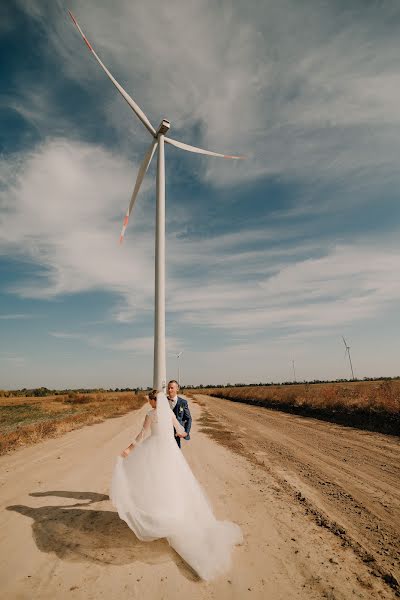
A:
(140, 176)
(135, 107)
(198, 150)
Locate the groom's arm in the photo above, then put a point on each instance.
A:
(187, 417)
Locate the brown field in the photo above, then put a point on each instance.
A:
(27, 420)
(372, 405)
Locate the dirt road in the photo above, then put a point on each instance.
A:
(280, 477)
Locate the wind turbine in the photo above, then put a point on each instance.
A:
(157, 143)
(347, 351)
(294, 371)
(179, 372)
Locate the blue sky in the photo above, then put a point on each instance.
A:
(269, 260)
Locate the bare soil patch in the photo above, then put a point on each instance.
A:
(347, 480)
(59, 519)
(371, 405)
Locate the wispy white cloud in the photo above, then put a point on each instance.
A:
(61, 206)
(12, 360)
(142, 345)
(66, 335)
(15, 316)
(317, 102)
(347, 285)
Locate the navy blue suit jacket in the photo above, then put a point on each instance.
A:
(182, 413)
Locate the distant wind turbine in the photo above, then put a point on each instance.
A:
(179, 372)
(157, 143)
(347, 351)
(294, 371)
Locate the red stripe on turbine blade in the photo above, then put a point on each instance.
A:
(232, 156)
(87, 44)
(73, 18)
(124, 225)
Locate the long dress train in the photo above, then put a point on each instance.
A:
(157, 495)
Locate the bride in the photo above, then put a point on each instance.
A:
(157, 495)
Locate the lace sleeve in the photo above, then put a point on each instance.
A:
(145, 429)
(178, 427)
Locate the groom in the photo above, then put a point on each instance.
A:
(180, 408)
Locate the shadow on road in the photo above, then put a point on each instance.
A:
(92, 497)
(82, 535)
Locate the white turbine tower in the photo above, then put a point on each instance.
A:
(157, 142)
(347, 351)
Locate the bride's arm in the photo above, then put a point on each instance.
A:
(178, 427)
(139, 437)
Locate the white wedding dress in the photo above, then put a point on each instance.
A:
(157, 495)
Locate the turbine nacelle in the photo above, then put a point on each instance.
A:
(163, 128)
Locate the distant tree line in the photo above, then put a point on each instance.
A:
(41, 392)
(44, 391)
(284, 383)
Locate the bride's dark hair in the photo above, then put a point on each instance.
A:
(153, 395)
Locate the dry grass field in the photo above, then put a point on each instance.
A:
(373, 405)
(27, 420)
